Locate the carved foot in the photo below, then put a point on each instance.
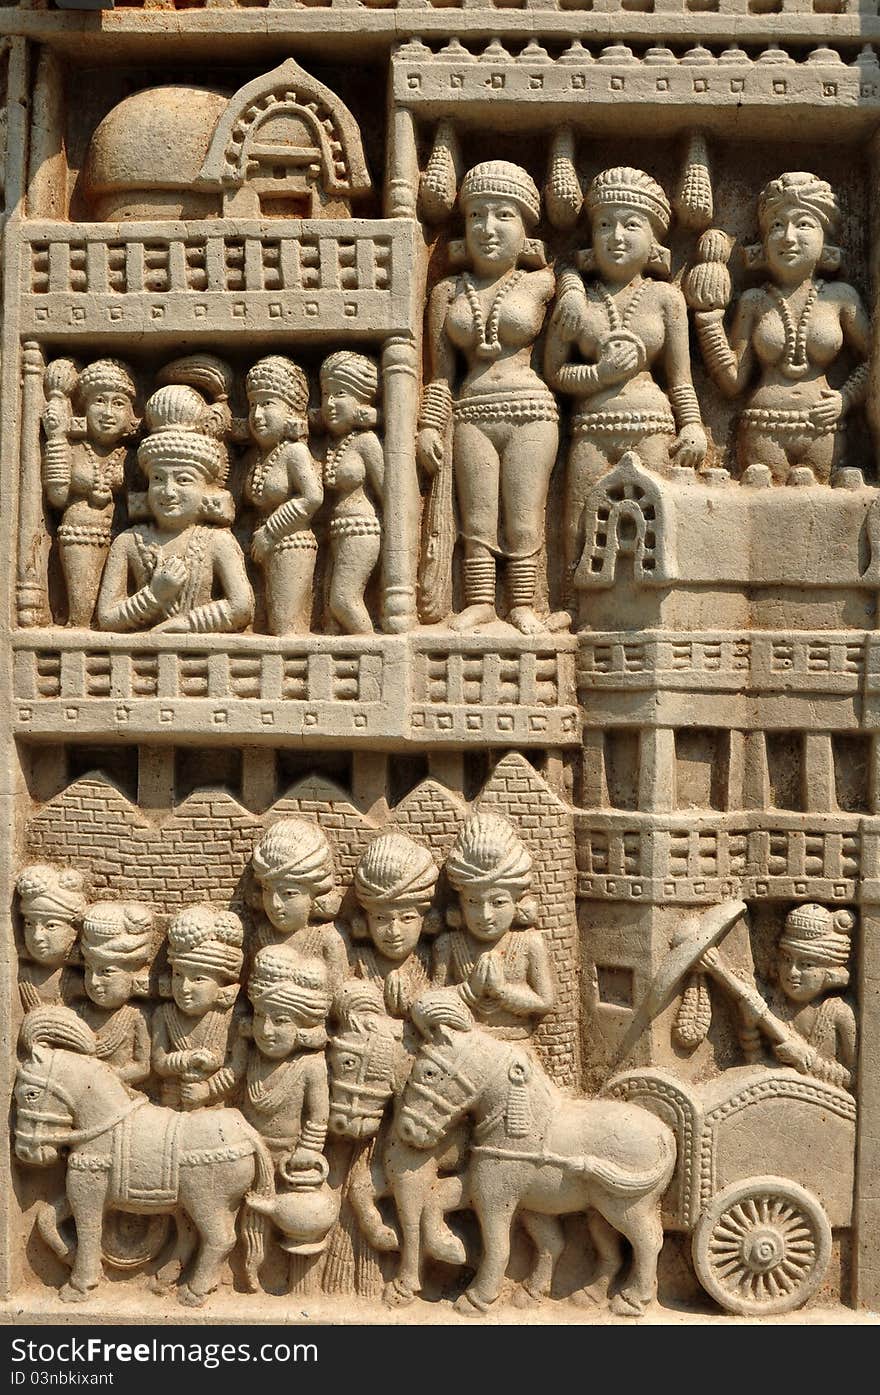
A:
(397, 1295)
(381, 1237)
(68, 1293)
(592, 1296)
(471, 1305)
(446, 1247)
(628, 1303)
(526, 1297)
(524, 619)
(189, 1298)
(472, 616)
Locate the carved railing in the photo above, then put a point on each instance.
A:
(282, 276)
(342, 691)
(703, 858)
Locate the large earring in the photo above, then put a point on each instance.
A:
(830, 260)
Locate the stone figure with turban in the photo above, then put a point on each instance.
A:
(186, 568)
(787, 334)
(118, 944)
(287, 1098)
(812, 971)
(198, 1051)
(293, 866)
(394, 884)
(52, 902)
(495, 950)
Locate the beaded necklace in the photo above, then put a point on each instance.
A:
(260, 471)
(333, 457)
(106, 470)
(488, 344)
(795, 363)
(615, 319)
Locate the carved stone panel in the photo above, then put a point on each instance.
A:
(440, 702)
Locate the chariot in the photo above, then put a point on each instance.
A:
(761, 1243)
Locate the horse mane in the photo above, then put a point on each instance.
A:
(57, 1026)
(442, 1007)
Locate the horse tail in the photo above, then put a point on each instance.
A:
(624, 1182)
(253, 1223)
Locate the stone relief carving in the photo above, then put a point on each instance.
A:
(792, 330)
(505, 431)
(446, 798)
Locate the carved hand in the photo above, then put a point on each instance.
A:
(203, 1060)
(429, 450)
(168, 579)
(828, 412)
(568, 315)
(305, 1166)
(487, 977)
(795, 1052)
(261, 545)
(619, 361)
(689, 447)
(55, 419)
(194, 1093)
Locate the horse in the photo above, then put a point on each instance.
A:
(133, 1156)
(537, 1154)
(369, 1060)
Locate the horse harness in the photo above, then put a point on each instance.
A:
(130, 1179)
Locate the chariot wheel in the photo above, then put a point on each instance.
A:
(129, 1240)
(762, 1246)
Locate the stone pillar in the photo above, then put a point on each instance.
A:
(402, 168)
(31, 585)
(400, 537)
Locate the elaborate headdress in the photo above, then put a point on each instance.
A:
(283, 379)
(393, 870)
(118, 933)
(502, 179)
(295, 848)
(45, 890)
(798, 189)
(206, 937)
(282, 979)
(822, 934)
(356, 371)
(633, 188)
(107, 375)
(488, 853)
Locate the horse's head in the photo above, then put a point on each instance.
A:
(45, 1107)
(442, 1084)
(364, 1058)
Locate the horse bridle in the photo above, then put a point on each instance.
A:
(360, 1100)
(56, 1090)
(421, 1091)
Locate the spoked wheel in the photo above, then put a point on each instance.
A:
(762, 1246)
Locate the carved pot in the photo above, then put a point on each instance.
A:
(305, 1216)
